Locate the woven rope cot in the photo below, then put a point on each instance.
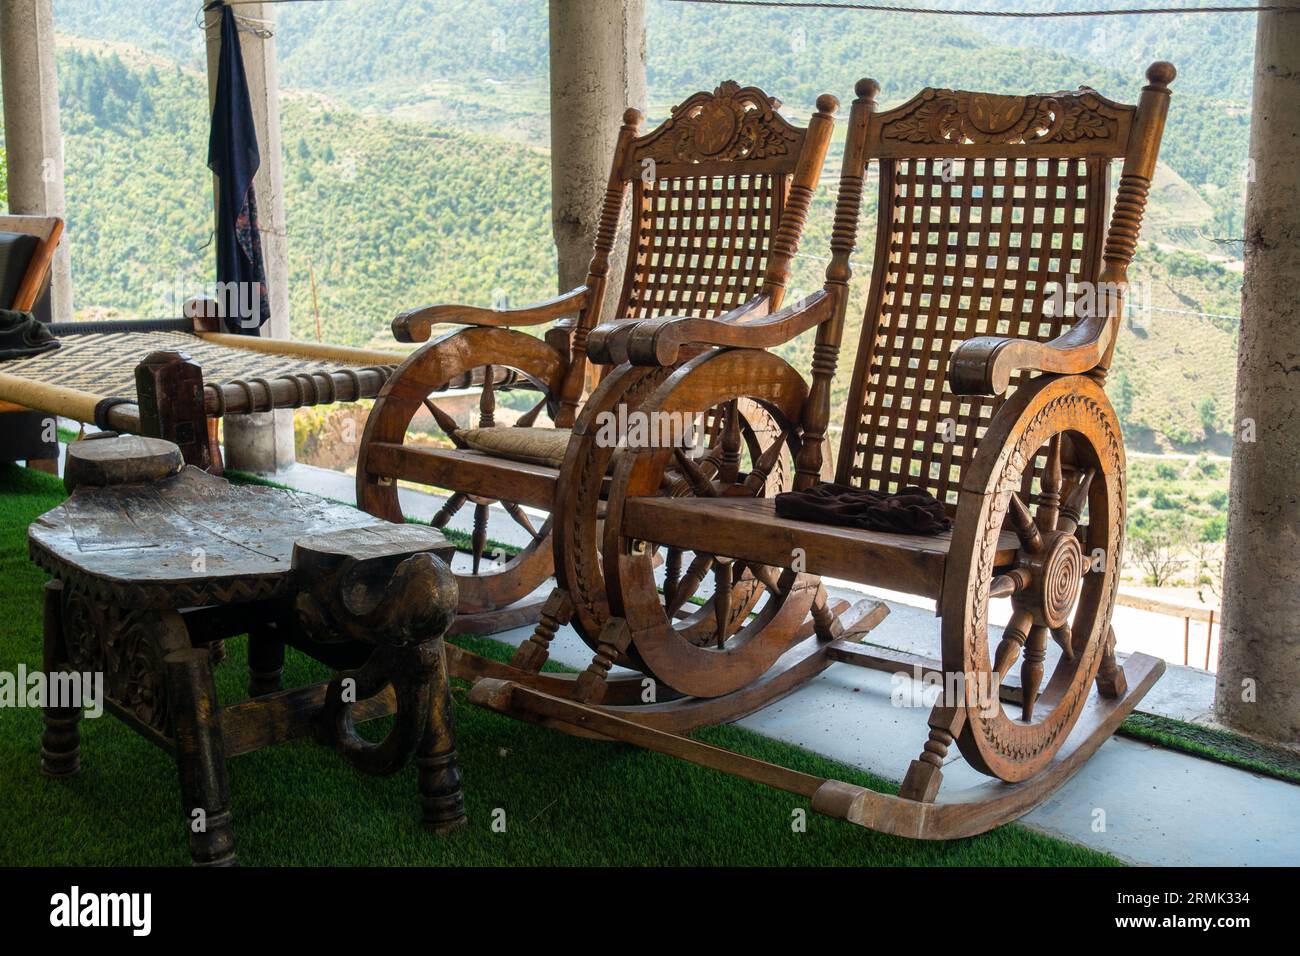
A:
(241, 373)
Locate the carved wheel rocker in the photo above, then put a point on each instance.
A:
(719, 195)
(968, 383)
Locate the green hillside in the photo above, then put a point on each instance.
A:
(391, 215)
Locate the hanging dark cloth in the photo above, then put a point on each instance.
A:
(234, 158)
(907, 511)
(22, 335)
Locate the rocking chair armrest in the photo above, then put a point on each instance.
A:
(984, 365)
(613, 342)
(416, 325)
(659, 341)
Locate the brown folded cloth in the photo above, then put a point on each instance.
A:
(907, 511)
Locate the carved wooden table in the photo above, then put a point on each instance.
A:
(153, 563)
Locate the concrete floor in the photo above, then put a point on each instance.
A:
(1142, 803)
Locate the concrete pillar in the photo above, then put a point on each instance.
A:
(1259, 664)
(597, 71)
(33, 141)
(262, 442)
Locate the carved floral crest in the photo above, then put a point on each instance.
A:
(955, 116)
(731, 123)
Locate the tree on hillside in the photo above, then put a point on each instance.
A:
(1208, 412)
(1158, 548)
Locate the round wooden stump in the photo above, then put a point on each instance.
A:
(126, 459)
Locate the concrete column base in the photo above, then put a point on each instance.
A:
(261, 443)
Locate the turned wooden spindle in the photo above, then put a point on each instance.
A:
(672, 573)
(1031, 670)
(785, 244)
(487, 400)
(449, 509)
(1075, 502)
(729, 468)
(556, 612)
(1014, 636)
(591, 685)
(1022, 522)
(1049, 494)
(722, 581)
(925, 773)
(478, 538)
(61, 738)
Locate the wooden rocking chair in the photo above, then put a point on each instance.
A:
(720, 194)
(986, 204)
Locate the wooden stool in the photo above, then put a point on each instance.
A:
(154, 562)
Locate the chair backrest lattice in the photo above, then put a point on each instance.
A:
(991, 222)
(700, 244)
(712, 187)
(981, 246)
(720, 195)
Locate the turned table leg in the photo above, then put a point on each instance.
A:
(200, 757)
(61, 739)
(265, 660)
(441, 798)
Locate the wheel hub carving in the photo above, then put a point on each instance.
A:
(1058, 575)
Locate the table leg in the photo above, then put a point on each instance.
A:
(61, 739)
(265, 660)
(440, 785)
(200, 757)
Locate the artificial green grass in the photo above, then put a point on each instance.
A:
(1221, 746)
(564, 801)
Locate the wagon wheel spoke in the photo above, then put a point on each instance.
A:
(527, 419)
(1049, 492)
(691, 581)
(1022, 522)
(672, 573)
(487, 399)
(767, 576)
(729, 468)
(1031, 670)
(1064, 637)
(1014, 636)
(1074, 503)
(722, 581)
(446, 423)
(756, 480)
(521, 518)
(698, 481)
(449, 509)
(478, 540)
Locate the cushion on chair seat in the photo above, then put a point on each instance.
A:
(537, 446)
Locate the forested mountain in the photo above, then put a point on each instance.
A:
(482, 65)
(390, 215)
(415, 136)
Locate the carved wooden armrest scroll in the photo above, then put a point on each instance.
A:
(984, 365)
(658, 342)
(416, 325)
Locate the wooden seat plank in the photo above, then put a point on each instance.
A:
(749, 529)
(461, 469)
